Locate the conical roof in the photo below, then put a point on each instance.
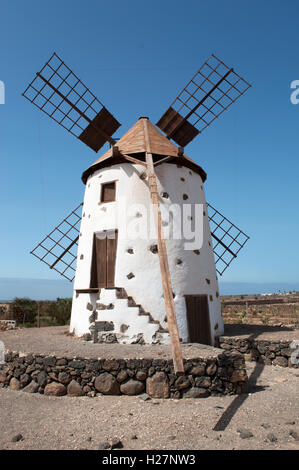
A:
(134, 143)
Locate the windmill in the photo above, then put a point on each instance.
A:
(123, 288)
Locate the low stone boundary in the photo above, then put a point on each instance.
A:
(278, 353)
(224, 374)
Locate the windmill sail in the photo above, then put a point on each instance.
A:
(228, 239)
(57, 249)
(59, 93)
(208, 94)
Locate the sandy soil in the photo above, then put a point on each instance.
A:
(262, 332)
(270, 411)
(54, 340)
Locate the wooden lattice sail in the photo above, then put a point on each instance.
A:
(59, 93)
(213, 89)
(57, 249)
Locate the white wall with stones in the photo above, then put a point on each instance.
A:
(137, 267)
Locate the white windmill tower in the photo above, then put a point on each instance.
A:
(139, 277)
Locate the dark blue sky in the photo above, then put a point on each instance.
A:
(135, 56)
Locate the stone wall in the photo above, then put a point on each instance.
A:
(51, 375)
(270, 313)
(278, 353)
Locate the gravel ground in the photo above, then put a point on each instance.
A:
(54, 340)
(270, 411)
(262, 332)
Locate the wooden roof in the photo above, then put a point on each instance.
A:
(133, 143)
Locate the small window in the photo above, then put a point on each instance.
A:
(108, 192)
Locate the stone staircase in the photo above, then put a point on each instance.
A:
(118, 318)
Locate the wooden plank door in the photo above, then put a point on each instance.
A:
(101, 257)
(198, 319)
(111, 245)
(105, 259)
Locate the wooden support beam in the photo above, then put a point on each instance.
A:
(163, 160)
(117, 153)
(133, 160)
(163, 259)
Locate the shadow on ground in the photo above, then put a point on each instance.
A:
(232, 409)
(254, 331)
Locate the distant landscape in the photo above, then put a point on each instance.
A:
(51, 289)
(246, 303)
(278, 310)
(30, 313)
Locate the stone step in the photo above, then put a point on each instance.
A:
(118, 312)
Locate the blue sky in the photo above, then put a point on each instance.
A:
(135, 56)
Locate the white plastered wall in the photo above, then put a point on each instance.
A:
(196, 273)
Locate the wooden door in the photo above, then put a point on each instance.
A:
(105, 245)
(198, 319)
(111, 245)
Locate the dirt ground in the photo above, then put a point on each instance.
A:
(270, 411)
(54, 340)
(261, 332)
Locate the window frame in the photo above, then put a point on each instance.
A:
(101, 191)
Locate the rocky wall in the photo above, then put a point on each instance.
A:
(50, 375)
(278, 353)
